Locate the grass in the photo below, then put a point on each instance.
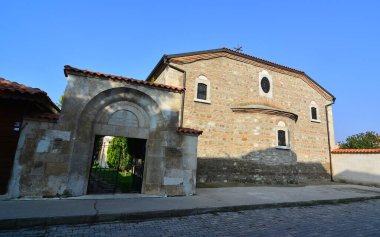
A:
(125, 180)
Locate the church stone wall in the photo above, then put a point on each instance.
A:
(251, 137)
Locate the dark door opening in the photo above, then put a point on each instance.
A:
(117, 165)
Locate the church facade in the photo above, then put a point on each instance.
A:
(262, 122)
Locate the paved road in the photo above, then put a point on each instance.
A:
(354, 219)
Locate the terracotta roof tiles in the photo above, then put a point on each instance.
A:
(340, 151)
(68, 68)
(11, 86)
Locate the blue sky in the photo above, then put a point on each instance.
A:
(336, 42)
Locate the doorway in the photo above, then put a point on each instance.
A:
(117, 165)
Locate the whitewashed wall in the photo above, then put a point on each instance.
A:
(360, 168)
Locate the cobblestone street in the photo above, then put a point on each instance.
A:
(354, 219)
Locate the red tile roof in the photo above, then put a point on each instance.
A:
(11, 86)
(189, 130)
(68, 69)
(19, 90)
(339, 151)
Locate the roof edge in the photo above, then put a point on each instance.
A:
(356, 151)
(317, 84)
(157, 67)
(69, 69)
(226, 50)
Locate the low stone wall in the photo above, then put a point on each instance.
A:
(359, 168)
(223, 170)
(41, 164)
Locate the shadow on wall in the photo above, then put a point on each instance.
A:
(354, 177)
(360, 166)
(270, 166)
(272, 156)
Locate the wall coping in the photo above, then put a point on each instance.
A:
(363, 151)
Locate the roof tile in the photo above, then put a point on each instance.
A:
(11, 86)
(68, 68)
(339, 151)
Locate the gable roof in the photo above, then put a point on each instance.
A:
(14, 90)
(184, 58)
(68, 69)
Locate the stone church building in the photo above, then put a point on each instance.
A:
(262, 122)
(215, 116)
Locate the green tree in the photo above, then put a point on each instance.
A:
(117, 154)
(365, 140)
(60, 102)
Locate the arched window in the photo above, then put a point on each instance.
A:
(202, 90)
(314, 112)
(282, 136)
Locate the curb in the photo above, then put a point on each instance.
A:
(152, 215)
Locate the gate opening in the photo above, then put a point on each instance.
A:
(117, 165)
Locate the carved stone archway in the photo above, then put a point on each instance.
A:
(100, 116)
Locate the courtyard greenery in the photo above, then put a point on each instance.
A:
(123, 180)
(366, 140)
(118, 155)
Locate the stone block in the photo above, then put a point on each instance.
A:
(56, 168)
(173, 158)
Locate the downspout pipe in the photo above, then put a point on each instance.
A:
(183, 85)
(329, 139)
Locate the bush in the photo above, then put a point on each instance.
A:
(367, 140)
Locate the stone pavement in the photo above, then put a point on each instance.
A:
(351, 219)
(26, 213)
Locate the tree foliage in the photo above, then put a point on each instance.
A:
(60, 102)
(117, 154)
(365, 140)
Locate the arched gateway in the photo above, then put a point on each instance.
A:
(55, 157)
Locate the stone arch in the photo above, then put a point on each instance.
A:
(282, 127)
(133, 112)
(88, 122)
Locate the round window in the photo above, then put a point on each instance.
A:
(265, 84)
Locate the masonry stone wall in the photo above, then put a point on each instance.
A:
(236, 83)
(41, 161)
(252, 136)
(220, 170)
(170, 76)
